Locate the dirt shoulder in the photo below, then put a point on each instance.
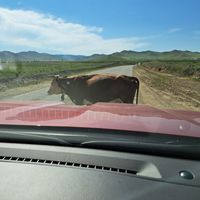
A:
(167, 91)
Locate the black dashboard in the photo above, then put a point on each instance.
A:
(31, 171)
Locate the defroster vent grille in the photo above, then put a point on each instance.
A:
(65, 164)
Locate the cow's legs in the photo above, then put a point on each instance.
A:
(127, 99)
(78, 101)
(118, 100)
(62, 97)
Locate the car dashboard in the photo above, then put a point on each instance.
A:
(30, 171)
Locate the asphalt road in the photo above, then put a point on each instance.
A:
(41, 94)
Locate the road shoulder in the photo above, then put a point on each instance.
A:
(167, 91)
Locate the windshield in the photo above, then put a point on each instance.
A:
(131, 65)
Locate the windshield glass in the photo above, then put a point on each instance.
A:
(131, 65)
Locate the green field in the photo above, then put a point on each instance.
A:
(42, 68)
(15, 74)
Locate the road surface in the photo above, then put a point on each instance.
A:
(41, 92)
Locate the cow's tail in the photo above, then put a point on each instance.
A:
(137, 83)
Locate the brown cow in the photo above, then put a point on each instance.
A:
(96, 88)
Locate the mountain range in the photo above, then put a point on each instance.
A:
(118, 56)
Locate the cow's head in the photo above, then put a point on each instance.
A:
(55, 88)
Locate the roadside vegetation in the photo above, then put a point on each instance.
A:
(185, 68)
(15, 74)
(30, 68)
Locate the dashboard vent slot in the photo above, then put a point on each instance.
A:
(66, 164)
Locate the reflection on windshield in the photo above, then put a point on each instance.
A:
(124, 117)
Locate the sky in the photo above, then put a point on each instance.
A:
(86, 27)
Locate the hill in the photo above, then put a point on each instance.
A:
(35, 56)
(118, 56)
(148, 55)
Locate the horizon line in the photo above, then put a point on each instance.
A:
(148, 50)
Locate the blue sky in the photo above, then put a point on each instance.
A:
(99, 26)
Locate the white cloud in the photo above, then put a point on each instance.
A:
(23, 30)
(174, 30)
